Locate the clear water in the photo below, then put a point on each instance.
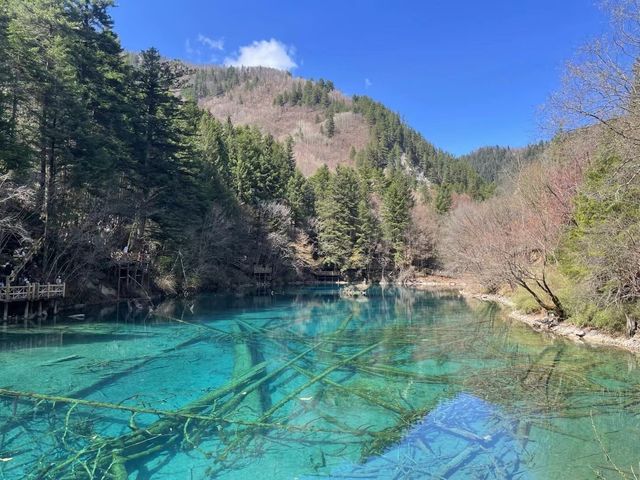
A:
(404, 384)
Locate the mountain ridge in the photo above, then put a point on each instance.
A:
(245, 95)
(285, 106)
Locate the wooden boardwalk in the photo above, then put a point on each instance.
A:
(131, 270)
(263, 274)
(327, 275)
(34, 292)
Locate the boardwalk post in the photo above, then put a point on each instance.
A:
(32, 293)
(5, 314)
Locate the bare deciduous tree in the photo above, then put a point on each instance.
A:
(212, 248)
(422, 236)
(15, 202)
(505, 240)
(601, 85)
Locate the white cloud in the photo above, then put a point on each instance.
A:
(367, 83)
(203, 48)
(211, 43)
(264, 53)
(188, 48)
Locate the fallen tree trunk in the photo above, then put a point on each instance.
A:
(160, 434)
(83, 392)
(165, 434)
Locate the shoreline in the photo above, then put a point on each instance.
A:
(537, 321)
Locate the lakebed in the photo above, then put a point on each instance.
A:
(303, 383)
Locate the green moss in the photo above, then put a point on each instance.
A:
(589, 314)
(609, 319)
(559, 283)
(583, 316)
(524, 301)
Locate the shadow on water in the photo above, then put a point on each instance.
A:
(29, 340)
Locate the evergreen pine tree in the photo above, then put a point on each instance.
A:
(307, 93)
(338, 217)
(330, 128)
(443, 199)
(366, 232)
(320, 182)
(396, 213)
(299, 196)
(288, 145)
(159, 148)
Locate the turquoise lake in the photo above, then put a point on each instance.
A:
(304, 384)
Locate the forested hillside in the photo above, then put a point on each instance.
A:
(327, 127)
(248, 96)
(208, 171)
(563, 234)
(211, 171)
(494, 163)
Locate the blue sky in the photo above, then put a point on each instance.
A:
(464, 73)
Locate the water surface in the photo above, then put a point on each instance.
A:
(404, 384)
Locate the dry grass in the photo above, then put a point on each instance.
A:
(254, 106)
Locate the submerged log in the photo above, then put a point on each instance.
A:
(158, 436)
(244, 439)
(166, 433)
(251, 402)
(458, 462)
(316, 379)
(354, 391)
(465, 434)
(61, 360)
(18, 419)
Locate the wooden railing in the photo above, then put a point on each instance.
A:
(35, 291)
(326, 273)
(261, 269)
(130, 257)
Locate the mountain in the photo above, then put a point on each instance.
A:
(246, 97)
(495, 161)
(327, 127)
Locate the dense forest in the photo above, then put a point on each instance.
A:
(103, 151)
(392, 144)
(493, 164)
